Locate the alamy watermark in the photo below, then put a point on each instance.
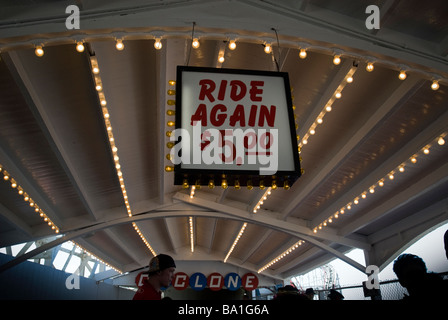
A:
(373, 20)
(373, 281)
(72, 282)
(228, 146)
(73, 20)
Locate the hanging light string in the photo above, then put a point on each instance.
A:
(263, 198)
(113, 147)
(328, 107)
(29, 200)
(235, 242)
(282, 255)
(39, 44)
(390, 176)
(191, 231)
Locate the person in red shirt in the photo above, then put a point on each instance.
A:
(160, 274)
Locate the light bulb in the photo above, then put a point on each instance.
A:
(302, 54)
(402, 75)
(267, 48)
(435, 85)
(158, 44)
(119, 45)
(96, 70)
(39, 51)
(79, 46)
(441, 141)
(337, 59)
(338, 95)
(224, 184)
(221, 59)
(232, 45)
(370, 67)
(426, 151)
(195, 44)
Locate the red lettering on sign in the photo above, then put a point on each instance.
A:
(217, 120)
(215, 281)
(254, 91)
(180, 281)
(200, 115)
(207, 87)
(249, 281)
(238, 116)
(238, 90)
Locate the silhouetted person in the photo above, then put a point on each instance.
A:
(289, 293)
(335, 295)
(310, 293)
(160, 274)
(412, 274)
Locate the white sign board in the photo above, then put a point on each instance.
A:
(234, 122)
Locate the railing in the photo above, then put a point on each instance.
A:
(390, 290)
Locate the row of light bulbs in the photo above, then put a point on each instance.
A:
(27, 198)
(116, 158)
(191, 231)
(282, 255)
(390, 176)
(106, 117)
(328, 107)
(235, 242)
(260, 202)
(37, 209)
(96, 258)
(80, 47)
(144, 239)
(195, 43)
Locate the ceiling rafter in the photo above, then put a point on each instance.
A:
(56, 144)
(346, 147)
(281, 225)
(393, 162)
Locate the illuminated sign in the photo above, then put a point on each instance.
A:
(215, 281)
(234, 128)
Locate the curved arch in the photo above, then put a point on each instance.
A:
(414, 240)
(167, 214)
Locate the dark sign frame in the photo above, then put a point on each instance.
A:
(202, 177)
